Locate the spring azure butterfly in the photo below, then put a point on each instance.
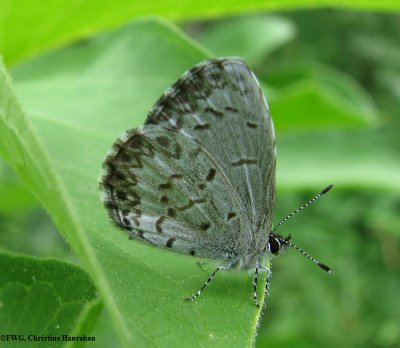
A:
(199, 176)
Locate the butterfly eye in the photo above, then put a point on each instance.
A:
(274, 245)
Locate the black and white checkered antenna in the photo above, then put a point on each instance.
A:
(287, 240)
(319, 195)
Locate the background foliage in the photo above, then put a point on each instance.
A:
(332, 80)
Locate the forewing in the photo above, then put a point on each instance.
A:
(168, 190)
(220, 106)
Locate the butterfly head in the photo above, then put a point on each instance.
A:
(277, 244)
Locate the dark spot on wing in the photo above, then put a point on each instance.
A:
(216, 113)
(252, 125)
(231, 109)
(118, 175)
(194, 153)
(125, 156)
(202, 126)
(135, 141)
(121, 195)
(125, 212)
(216, 75)
(191, 203)
(231, 215)
(192, 252)
(135, 200)
(112, 208)
(164, 199)
(163, 141)
(205, 226)
(201, 186)
(195, 70)
(211, 174)
(244, 161)
(122, 155)
(220, 63)
(137, 212)
(171, 212)
(166, 186)
(169, 242)
(159, 221)
(176, 152)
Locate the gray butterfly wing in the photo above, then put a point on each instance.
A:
(166, 189)
(219, 105)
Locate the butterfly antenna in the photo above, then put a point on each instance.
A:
(324, 267)
(319, 195)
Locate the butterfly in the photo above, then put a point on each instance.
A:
(199, 176)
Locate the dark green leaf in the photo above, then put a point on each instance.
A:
(248, 37)
(43, 297)
(29, 27)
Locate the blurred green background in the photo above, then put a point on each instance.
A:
(332, 79)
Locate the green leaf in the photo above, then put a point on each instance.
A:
(86, 322)
(77, 102)
(44, 297)
(14, 195)
(28, 27)
(314, 97)
(352, 159)
(104, 332)
(383, 217)
(248, 37)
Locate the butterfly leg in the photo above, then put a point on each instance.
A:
(269, 272)
(210, 278)
(255, 282)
